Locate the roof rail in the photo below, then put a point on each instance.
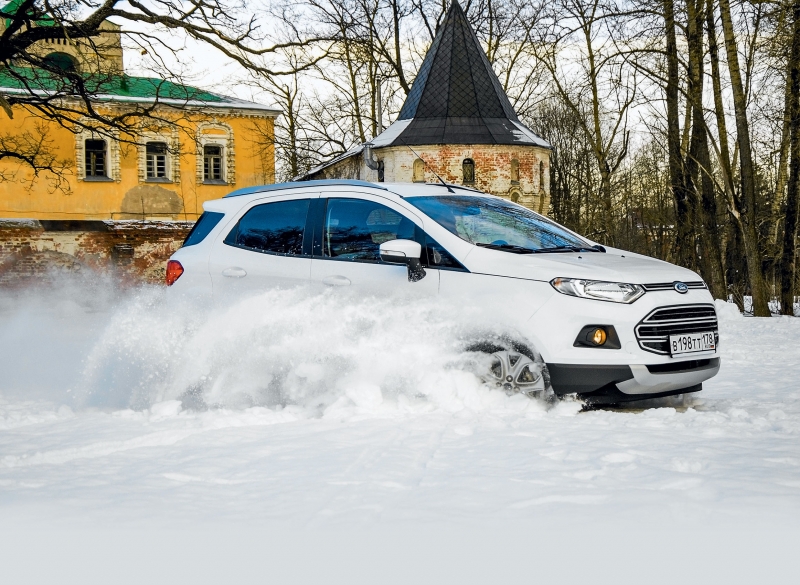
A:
(304, 185)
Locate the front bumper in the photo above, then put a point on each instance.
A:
(610, 384)
(554, 327)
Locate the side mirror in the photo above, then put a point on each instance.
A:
(404, 252)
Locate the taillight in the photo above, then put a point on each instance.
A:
(174, 271)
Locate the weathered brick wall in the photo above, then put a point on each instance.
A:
(492, 169)
(136, 251)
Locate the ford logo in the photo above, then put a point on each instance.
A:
(680, 287)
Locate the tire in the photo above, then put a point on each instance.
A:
(513, 366)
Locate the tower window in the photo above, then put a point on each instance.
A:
(514, 172)
(541, 175)
(212, 162)
(419, 171)
(60, 61)
(95, 151)
(468, 169)
(156, 159)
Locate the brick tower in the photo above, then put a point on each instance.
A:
(456, 122)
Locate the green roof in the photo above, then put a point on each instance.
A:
(101, 85)
(13, 6)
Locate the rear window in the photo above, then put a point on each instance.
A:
(207, 222)
(273, 228)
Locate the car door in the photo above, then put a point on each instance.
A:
(346, 252)
(268, 246)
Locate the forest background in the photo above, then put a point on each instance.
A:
(675, 125)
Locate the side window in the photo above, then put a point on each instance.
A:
(355, 229)
(272, 228)
(438, 257)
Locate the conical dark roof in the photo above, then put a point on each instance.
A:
(456, 97)
(456, 79)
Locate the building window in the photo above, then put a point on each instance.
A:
(212, 162)
(419, 171)
(541, 176)
(514, 172)
(156, 160)
(96, 158)
(60, 61)
(468, 168)
(216, 155)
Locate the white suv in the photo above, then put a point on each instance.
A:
(611, 326)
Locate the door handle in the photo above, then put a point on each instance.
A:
(336, 280)
(234, 272)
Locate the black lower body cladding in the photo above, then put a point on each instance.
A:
(597, 384)
(578, 379)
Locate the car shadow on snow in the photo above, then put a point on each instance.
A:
(680, 402)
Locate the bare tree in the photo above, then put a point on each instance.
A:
(746, 204)
(68, 96)
(789, 255)
(590, 75)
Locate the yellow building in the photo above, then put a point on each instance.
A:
(197, 146)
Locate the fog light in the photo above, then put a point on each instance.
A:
(599, 336)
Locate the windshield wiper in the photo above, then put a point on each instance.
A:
(507, 248)
(522, 250)
(564, 249)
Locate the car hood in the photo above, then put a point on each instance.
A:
(614, 265)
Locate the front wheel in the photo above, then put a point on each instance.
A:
(513, 367)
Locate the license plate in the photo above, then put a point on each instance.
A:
(691, 343)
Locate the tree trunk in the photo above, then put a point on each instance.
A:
(787, 265)
(783, 155)
(719, 107)
(747, 209)
(734, 248)
(699, 183)
(775, 244)
(683, 228)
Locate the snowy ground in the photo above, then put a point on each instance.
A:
(309, 448)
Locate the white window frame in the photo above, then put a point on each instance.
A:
(153, 160)
(222, 177)
(111, 139)
(105, 160)
(216, 133)
(173, 162)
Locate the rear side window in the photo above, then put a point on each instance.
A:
(207, 222)
(355, 229)
(272, 228)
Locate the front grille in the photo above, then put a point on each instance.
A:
(653, 331)
(657, 286)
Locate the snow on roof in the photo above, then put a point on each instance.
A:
(122, 88)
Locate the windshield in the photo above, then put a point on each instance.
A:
(494, 223)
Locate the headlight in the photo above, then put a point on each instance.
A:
(617, 292)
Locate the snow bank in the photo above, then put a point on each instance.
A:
(727, 311)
